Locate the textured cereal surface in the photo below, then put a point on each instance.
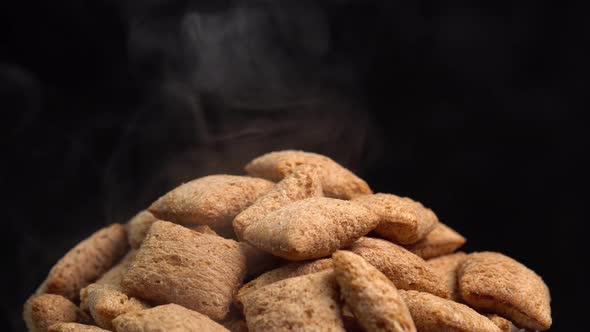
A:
(284, 272)
(303, 183)
(166, 318)
(434, 314)
(74, 327)
(441, 241)
(311, 228)
(402, 220)
(370, 295)
(86, 262)
(213, 200)
(497, 283)
(406, 270)
(304, 303)
(337, 181)
(42, 311)
(177, 265)
(138, 226)
(446, 266)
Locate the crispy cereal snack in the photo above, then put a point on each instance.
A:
(337, 181)
(401, 219)
(305, 303)
(311, 228)
(213, 200)
(406, 270)
(494, 282)
(177, 265)
(441, 241)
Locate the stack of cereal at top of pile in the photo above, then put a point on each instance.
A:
(301, 244)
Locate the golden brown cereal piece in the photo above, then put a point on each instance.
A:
(303, 183)
(446, 266)
(284, 272)
(406, 270)
(337, 181)
(401, 219)
(138, 226)
(213, 200)
(74, 327)
(177, 265)
(433, 314)
(86, 262)
(372, 297)
(258, 261)
(42, 311)
(304, 303)
(168, 318)
(311, 228)
(441, 241)
(105, 299)
(497, 283)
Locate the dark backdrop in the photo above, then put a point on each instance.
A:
(475, 111)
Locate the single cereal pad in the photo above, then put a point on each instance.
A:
(305, 303)
(441, 241)
(497, 283)
(177, 265)
(311, 228)
(406, 270)
(337, 181)
(213, 200)
(401, 219)
(370, 295)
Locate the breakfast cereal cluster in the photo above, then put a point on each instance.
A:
(300, 244)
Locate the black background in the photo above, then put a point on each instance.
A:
(475, 111)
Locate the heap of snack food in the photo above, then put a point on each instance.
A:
(319, 252)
